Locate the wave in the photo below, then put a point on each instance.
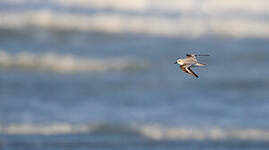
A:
(152, 132)
(213, 133)
(121, 23)
(190, 18)
(67, 63)
(208, 7)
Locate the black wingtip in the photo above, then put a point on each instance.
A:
(202, 55)
(188, 54)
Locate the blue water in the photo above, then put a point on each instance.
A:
(231, 93)
(60, 89)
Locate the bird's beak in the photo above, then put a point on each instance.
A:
(175, 62)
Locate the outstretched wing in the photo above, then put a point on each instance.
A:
(191, 59)
(188, 70)
(191, 72)
(190, 55)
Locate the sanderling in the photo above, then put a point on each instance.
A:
(188, 62)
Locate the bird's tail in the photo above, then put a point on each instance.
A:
(200, 64)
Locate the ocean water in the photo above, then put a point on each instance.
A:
(80, 86)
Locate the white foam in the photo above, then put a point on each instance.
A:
(197, 18)
(53, 129)
(67, 63)
(153, 132)
(119, 23)
(213, 133)
(208, 7)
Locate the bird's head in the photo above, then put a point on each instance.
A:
(179, 61)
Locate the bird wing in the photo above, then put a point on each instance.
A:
(183, 68)
(188, 70)
(190, 56)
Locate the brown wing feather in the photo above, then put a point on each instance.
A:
(188, 70)
(183, 68)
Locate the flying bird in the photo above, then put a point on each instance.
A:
(188, 62)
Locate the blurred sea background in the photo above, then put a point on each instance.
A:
(99, 74)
